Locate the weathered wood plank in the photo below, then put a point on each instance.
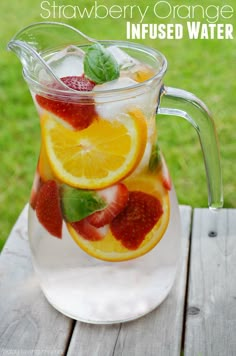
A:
(158, 333)
(28, 324)
(211, 313)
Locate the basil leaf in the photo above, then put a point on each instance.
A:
(77, 204)
(155, 158)
(100, 66)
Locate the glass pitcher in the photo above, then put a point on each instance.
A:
(104, 223)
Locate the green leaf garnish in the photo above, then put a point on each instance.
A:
(77, 204)
(100, 65)
(155, 158)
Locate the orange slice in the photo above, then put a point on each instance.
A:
(109, 248)
(144, 73)
(98, 156)
(44, 167)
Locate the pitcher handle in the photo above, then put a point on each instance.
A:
(182, 103)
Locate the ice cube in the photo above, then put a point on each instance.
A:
(119, 83)
(117, 104)
(43, 76)
(67, 62)
(131, 67)
(140, 72)
(124, 60)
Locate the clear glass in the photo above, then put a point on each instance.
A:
(104, 223)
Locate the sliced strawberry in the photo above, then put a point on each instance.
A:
(88, 231)
(116, 198)
(137, 219)
(78, 115)
(166, 183)
(33, 198)
(48, 208)
(166, 180)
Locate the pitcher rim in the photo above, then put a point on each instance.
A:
(152, 52)
(139, 85)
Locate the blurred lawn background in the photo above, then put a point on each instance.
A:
(204, 67)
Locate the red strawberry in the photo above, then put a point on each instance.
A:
(78, 115)
(48, 208)
(116, 198)
(137, 219)
(166, 183)
(78, 83)
(88, 231)
(166, 180)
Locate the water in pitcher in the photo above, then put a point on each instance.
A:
(104, 223)
(93, 290)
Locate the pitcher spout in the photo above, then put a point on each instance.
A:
(34, 66)
(26, 54)
(33, 44)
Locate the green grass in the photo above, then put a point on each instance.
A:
(206, 68)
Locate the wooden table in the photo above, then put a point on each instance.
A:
(197, 319)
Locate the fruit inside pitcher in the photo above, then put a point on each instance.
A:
(100, 172)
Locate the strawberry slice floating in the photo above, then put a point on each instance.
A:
(137, 219)
(78, 115)
(48, 208)
(116, 198)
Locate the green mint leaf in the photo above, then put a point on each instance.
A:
(77, 204)
(100, 66)
(155, 158)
